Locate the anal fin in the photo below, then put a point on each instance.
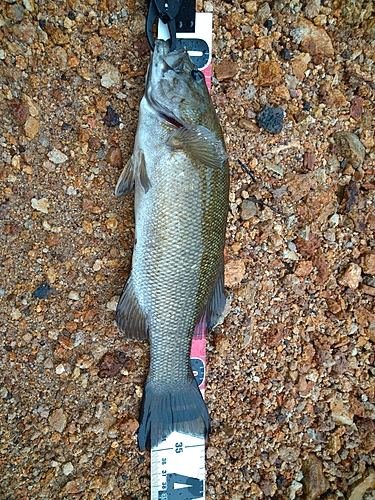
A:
(218, 300)
(214, 309)
(129, 316)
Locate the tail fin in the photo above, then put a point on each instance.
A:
(166, 409)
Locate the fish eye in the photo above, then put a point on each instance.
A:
(197, 75)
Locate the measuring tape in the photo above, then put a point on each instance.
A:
(178, 470)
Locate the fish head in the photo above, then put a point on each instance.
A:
(175, 88)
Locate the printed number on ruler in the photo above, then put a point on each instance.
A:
(178, 468)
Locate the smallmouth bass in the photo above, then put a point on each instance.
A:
(180, 172)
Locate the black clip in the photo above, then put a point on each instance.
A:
(166, 11)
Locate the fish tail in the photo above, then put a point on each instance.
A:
(178, 408)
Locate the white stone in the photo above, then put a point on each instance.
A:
(57, 156)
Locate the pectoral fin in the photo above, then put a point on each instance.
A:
(201, 143)
(143, 177)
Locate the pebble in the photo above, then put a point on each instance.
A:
(60, 369)
(40, 205)
(111, 119)
(269, 73)
(57, 420)
(111, 78)
(114, 157)
(234, 273)
(356, 107)
(351, 277)
(285, 54)
(271, 119)
(56, 156)
(248, 209)
(314, 481)
(73, 295)
(67, 468)
(31, 127)
(246, 124)
(226, 70)
(112, 304)
(314, 39)
(365, 484)
(368, 263)
(42, 291)
(351, 147)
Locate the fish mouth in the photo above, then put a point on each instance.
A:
(162, 61)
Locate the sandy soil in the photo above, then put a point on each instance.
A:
(291, 369)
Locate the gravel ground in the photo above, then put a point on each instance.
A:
(291, 369)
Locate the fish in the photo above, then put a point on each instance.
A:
(179, 170)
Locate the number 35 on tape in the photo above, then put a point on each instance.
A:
(178, 468)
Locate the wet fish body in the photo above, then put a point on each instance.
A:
(181, 178)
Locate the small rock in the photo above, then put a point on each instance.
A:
(246, 124)
(57, 420)
(113, 362)
(366, 483)
(312, 9)
(285, 54)
(248, 209)
(112, 304)
(29, 5)
(57, 156)
(314, 481)
(65, 342)
(272, 167)
(314, 39)
(351, 277)
(300, 64)
(68, 468)
(97, 265)
(111, 119)
(289, 454)
(341, 413)
(271, 119)
(20, 111)
(368, 263)
(356, 107)
(73, 487)
(111, 78)
(40, 205)
(308, 161)
(114, 157)
(251, 7)
(31, 127)
(226, 70)
(234, 273)
(269, 73)
(95, 45)
(294, 488)
(42, 291)
(73, 295)
(60, 369)
(351, 147)
(368, 290)
(309, 246)
(304, 267)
